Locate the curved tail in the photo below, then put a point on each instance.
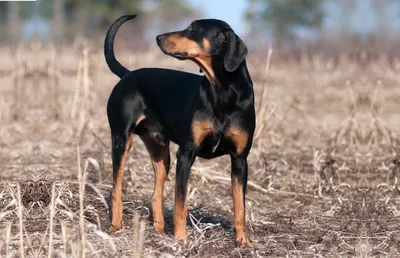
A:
(116, 67)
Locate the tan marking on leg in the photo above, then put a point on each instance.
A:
(160, 161)
(239, 137)
(117, 207)
(200, 130)
(239, 212)
(180, 215)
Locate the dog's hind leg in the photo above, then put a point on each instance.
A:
(157, 144)
(160, 160)
(121, 144)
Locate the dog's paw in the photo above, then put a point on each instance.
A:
(115, 229)
(159, 227)
(244, 242)
(182, 241)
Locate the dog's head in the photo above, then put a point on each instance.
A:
(205, 41)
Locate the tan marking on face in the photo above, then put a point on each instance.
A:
(206, 46)
(176, 43)
(239, 138)
(200, 130)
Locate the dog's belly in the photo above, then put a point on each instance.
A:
(212, 147)
(211, 155)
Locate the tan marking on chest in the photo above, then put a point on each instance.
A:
(239, 137)
(200, 129)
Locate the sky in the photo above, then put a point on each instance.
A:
(362, 19)
(231, 11)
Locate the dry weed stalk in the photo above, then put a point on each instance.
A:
(199, 232)
(21, 222)
(54, 75)
(8, 236)
(74, 102)
(81, 248)
(138, 235)
(52, 212)
(81, 180)
(317, 163)
(82, 81)
(85, 80)
(263, 102)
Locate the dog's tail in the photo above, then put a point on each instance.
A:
(116, 67)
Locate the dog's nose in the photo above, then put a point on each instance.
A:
(159, 38)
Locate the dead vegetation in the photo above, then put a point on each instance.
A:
(324, 166)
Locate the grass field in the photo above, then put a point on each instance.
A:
(323, 170)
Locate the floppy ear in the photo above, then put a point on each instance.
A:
(236, 52)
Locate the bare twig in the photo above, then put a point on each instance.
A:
(21, 223)
(52, 211)
(263, 102)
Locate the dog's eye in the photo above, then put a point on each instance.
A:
(192, 28)
(221, 38)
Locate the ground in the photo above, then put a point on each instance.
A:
(323, 170)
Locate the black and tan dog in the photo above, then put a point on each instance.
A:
(207, 116)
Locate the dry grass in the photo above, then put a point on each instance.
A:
(323, 176)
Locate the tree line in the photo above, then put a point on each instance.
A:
(279, 19)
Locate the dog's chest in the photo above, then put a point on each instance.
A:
(213, 137)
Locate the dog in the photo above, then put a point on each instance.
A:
(207, 116)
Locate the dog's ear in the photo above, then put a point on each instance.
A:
(236, 51)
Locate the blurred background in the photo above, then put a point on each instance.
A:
(328, 26)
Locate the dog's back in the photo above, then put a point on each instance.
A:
(162, 91)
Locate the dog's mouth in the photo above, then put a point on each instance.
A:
(165, 48)
(181, 55)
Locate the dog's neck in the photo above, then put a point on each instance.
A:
(227, 88)
(206, 68)
(224, 80)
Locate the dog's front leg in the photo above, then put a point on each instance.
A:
(185, 159)
(239, 184)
